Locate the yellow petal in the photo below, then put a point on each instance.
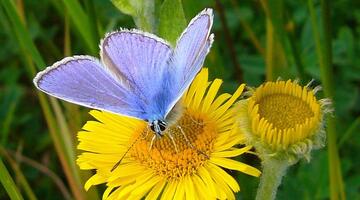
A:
(210, 96)
(180, 189)
(222, 109)
(139, 192)
(169, 190)
(189, 188)
(229, 180)
(202, 191)
(94, 180)
(156, 190)
(235, 165)
(232, 153)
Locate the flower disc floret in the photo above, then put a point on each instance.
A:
(283, 116)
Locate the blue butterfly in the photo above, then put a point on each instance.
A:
(139, 74)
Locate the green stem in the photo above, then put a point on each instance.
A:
(324, 53)
(272, 173)
(8, 183)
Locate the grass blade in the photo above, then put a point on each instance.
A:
(41, 168)
(8, 183)
(82, 24)
(324, 53)
(18, 27)
(275, 58)
(19, 175)
(239, 74)
(61, 140)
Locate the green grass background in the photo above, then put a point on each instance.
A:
(255, 41)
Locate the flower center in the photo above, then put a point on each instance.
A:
(189, 148)
(284, 111)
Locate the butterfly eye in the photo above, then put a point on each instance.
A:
(162, 125)
(152, 127)
(162, 128)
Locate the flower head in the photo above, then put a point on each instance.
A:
(283, 117)
(188, 165)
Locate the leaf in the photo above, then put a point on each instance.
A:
(125, 6)
(142, 11)
(172, 20)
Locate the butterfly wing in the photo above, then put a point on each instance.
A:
(141, 76)
(138, 60)
(189, 55)
(83, 80)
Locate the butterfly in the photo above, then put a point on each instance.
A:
(139, 74)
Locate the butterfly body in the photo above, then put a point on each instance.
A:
(139, 74)
(158, 127)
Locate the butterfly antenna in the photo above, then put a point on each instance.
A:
(196, 122)
(190, 144)
(127, 151)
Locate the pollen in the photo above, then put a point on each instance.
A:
(173, 158)
(283, 113)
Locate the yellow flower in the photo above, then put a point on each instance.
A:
(205, 137)
(283, 117)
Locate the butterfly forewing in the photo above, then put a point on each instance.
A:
(189, 55)
(138, 59)
(82, 80)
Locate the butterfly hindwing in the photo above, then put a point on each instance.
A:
(82, 80)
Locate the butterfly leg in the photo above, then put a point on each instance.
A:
(190, 144)
(186, 138)
(173, 141)
(146, 134)
(152, 142)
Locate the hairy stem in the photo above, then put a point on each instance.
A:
(272, 173)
